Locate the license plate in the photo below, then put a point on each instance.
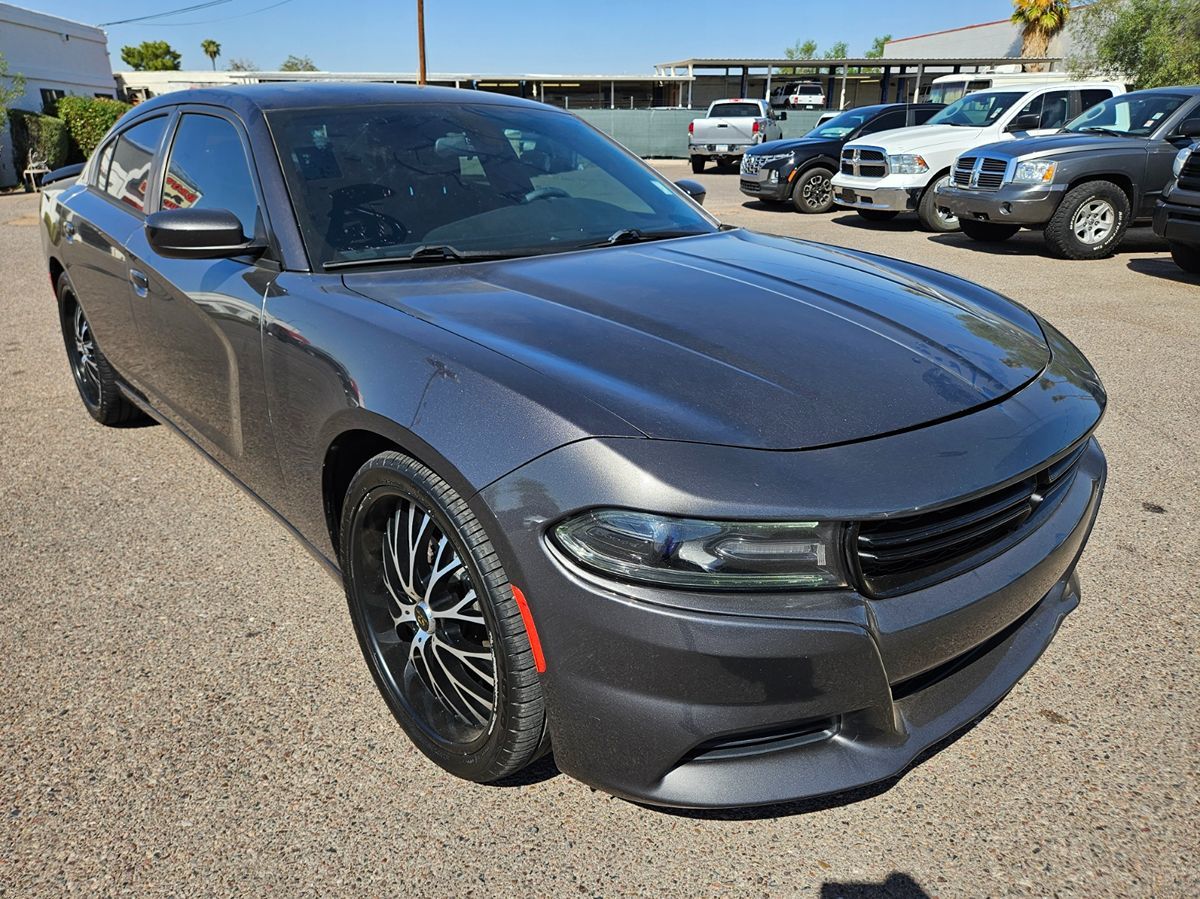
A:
(849, 196)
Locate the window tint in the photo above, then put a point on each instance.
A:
(129, 168)
(921, 116)
(735, 111)
(1090, 97)
(208, 170)
(892, 119)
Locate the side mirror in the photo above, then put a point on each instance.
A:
(783, 115)
(693, 189)
(1025, 122)
(1190, 128)
(199, 234)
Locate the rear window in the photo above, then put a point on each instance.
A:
(124, 175)
(808, 89)
(735, 111)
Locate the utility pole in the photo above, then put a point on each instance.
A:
(421, 41)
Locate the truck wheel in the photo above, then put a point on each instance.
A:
(877, 215)
(932, 218)
(1089, 222)
(697, 164)
(988, 232)
(813, 192)
(1187, 257)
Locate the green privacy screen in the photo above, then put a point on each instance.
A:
(663, 132)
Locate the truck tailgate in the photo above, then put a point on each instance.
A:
(724, 131)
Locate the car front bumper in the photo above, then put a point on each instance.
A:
(1177, 223)
(712, 700)
(1012, 204)
(869, 193)
(759, 186)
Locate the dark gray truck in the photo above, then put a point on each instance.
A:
(1083, 186)
(1177, 215)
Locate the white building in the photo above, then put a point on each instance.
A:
(57, 57)
(999, 38)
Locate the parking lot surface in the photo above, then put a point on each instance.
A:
(184, 710)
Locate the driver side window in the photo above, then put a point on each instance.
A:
(207, 169)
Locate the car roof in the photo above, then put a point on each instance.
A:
(245, 98)
(1191, 90)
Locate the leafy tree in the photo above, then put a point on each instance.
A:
(799, 50)
(242, 64)
(212, 50)
(876, 51)
(1040, 21)
(1152, 43)
(838, 51)
(150, 56)
(297, 64)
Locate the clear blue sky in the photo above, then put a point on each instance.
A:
(610, 36)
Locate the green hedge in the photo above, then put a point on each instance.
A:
(89, 118)
(45, 135)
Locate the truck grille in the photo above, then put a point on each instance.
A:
(979, 173)
(1189, 178)
(903, 554)
(864, 163)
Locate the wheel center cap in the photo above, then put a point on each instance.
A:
(424, 618)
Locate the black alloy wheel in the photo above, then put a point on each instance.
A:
(813, 191)
(437, 621)
(97, 383)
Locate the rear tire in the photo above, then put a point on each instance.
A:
(813, 193)
(987, 232)
(97, 383)
(877, 215)
(927, 211)
(1090, 222)
(1186, 256)
(697, 164)
(438, 623)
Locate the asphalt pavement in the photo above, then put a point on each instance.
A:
(184, 710)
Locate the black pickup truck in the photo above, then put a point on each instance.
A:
(1177, 215)
(798, 169)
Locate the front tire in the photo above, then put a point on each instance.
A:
(932, 218)
(987, 232)
(1090, 222)
(697, 164)
(812, 193)
(437, 622)
(94, 377)
(1186, 256)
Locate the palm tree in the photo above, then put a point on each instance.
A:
(212, 50)
(1040, 21)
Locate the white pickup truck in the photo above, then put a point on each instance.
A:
(729, 129)
(898, 171)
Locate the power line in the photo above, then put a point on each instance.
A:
(172, 12)
(240, 15)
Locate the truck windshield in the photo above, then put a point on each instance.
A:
(399, 182)
(1135, 115)
(735, 111)
(977, 110)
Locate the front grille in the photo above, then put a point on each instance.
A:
(751, 164)
(1189, 177)
(982, 174)
(915, 551)
(750, 186)
(864, 163)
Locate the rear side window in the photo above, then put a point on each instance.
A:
(208, 169)
(894, 118)
(735, 111)
(921, 116)
(126, 174)
(1091, 96)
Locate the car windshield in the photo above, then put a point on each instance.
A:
(977, 110)
(841, 125)
(1135, 115)
(443, 182)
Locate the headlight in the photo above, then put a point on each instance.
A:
(685, 552)
(1180, 158)
(1034, 171)
(907, 164)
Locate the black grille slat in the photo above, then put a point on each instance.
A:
(913, 551)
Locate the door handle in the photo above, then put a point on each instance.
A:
(141, 284)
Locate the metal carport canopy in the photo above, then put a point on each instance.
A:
(854, 61)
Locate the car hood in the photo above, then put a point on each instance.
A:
(921, 138)
(737, 338)
(810, 145)
(1058, 144)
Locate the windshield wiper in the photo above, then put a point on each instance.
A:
(636, 235)
(1096, 129)
(423, 254)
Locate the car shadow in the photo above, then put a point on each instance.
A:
(542, 770)
(1031, 243)
(1162, 268)
(761, 206)
(905, 221)
(897, 886)
(820, 803)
